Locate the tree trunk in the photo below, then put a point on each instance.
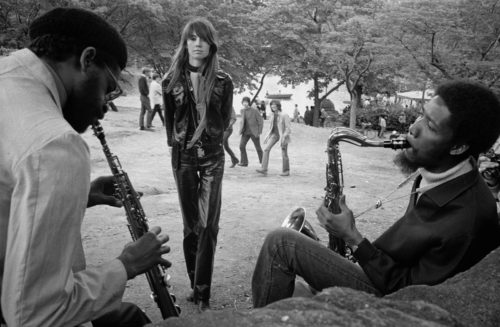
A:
(317, 104)
(355, 94)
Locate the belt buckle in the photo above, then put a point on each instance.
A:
(199, 149)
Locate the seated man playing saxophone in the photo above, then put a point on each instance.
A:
(450, 223)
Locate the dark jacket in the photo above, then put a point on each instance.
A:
(179, 103)
(143, 86)
(449, 229)
(251, 122)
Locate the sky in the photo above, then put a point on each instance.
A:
(299, 96)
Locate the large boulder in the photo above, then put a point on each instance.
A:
(471, 298)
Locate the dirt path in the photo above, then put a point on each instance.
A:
(252, 205)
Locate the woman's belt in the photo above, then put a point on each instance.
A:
(204, 149)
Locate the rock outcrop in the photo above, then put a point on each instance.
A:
(471, 298)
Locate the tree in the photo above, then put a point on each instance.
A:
(450, 39)
(294, 33)
(329, 43)
(15, 17)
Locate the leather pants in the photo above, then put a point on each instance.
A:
(198, 175)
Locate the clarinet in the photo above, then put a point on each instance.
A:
(335, 179)
(138, 226)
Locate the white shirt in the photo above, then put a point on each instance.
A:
(155, 93)
(44, 184)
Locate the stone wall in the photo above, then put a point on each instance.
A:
(468, 299)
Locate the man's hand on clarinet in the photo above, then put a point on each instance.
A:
(141, 255)
(102, 191)
(341, 225)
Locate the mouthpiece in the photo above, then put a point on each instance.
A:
(397, 144)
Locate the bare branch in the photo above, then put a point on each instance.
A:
(339, 84)
(364, 70)
(421, 65)
(490, 47)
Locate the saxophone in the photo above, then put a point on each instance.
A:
(138, 226)
(334, 174)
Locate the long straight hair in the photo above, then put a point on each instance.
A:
(205, 30)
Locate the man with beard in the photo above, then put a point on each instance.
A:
(450, 223)
(49, 93)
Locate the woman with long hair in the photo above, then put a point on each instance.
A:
(198, 101)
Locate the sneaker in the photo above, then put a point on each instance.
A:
(242, 164)
(262, 171)
(285, 173)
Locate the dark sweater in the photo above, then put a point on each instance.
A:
(450, 228)
(143, 86)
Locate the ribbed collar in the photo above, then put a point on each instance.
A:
(430, 179)
(448, 190)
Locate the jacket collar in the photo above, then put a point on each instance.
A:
(444, 193)
(40, 71)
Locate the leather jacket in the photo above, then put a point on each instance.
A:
(179, 104)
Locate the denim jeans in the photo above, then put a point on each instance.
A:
(199, 185)
(287, 253)
(227, 134)
(145, 111)
(157, 109)
(273, 139)
(243, 147)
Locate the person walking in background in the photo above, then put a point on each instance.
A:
(308, 116)
(382, 124)
(144, 95)
(402, 122)
(262, 108)
(155, 93)
(227, 134)
(323, 116)
(250, 128)
(198, 100)
(296, 114)
(279, 130)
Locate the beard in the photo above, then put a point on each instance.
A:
(84, 106)
(406, 166)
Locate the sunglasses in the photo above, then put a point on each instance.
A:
(117, 91)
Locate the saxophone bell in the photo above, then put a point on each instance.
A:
(296, 220)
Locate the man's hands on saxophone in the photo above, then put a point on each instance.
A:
(102, 191)
(341, 225)
(139, 256)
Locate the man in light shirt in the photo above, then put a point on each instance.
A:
(156, 98)
(49, 93)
